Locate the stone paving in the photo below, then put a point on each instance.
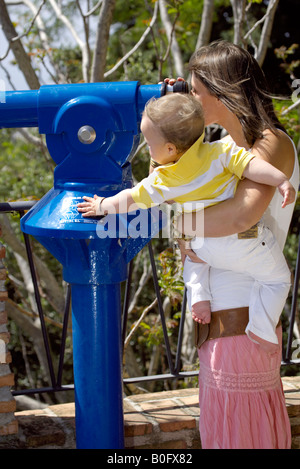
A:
(163, 420)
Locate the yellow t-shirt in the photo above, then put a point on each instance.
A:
(206, 172)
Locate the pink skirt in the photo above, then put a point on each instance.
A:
(242, 405)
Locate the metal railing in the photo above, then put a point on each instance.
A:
(174, 365)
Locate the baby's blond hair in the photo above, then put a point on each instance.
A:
(179, 118)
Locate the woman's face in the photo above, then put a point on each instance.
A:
(210, 104)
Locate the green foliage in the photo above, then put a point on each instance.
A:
(290, 121)
(69, 61)
(285, 53)
(172, 286)
(170, 278)
(26, 173)
(149, 337)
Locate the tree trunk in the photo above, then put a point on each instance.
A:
(176, 53)
(102, 36)
(206, 23)
(238, 8)
(21, 56)
(266, 31)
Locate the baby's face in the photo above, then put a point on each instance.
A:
(160, 151)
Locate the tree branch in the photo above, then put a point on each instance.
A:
(54, 290)
(290, 108)
(141, 40)
(82, 45)
(136, 325)
(266, 31)
(45, 42)
(93, 9)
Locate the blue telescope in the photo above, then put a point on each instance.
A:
(92, 132)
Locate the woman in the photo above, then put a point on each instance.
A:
(240, 393)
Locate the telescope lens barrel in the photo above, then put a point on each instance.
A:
(178, 87)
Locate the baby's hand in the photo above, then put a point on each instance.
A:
(89, 207)
(288, 192)
(201, 312)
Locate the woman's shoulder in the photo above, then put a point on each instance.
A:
(280, 138)
(277, 149)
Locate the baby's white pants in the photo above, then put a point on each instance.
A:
(261, 258)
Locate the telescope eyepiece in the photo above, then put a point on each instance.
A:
(178, 87)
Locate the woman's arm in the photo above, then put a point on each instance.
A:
(250, 200)
(263, 172)
(231, 216)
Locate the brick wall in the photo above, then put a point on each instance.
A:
(8, 422)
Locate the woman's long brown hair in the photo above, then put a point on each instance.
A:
(233, 75)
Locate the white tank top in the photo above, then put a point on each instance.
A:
(276, 218)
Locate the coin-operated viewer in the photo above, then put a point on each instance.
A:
(92, 132)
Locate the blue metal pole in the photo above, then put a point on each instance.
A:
(97, 356)
(88, 163)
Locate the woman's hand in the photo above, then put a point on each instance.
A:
(171, 81)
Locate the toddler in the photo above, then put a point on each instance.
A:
(187, 171)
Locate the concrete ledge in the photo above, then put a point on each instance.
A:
(163, 420)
